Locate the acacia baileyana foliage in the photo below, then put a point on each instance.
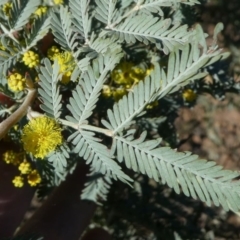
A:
(99, 35)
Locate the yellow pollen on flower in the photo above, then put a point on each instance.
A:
(41, 136)
(126, 73)
(12, 157)
(58, 2)
(18, 181)
(189, 95)
(34, 178)
(41, 10)
(67, 65)
(7, 8)
(52, 52)
(30, 59)
(16, 82)
(24, 167)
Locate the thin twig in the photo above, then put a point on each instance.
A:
(18, 114)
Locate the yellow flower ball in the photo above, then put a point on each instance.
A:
(67, 65)
(58, 2)
(7, 8)
(30, 59)
(41, 136)
(41, 10)
(24, 167)
(126, 73)
(18, 181)
(52, 52)
(34, 178)
(16, 82)
(189, 95)
(12, 157)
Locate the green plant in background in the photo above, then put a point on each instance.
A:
(114, 71)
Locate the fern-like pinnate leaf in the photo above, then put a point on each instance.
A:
(59, 159)
(22, 10)
(183, 67)
(96, 188)
(103, 45)
(191, 2)
(87, 92)
(49, 90)
(96, 154)
(133, 104)
(181, 171)
(106, 11)
(154, 6)
(8, 60)
(64, 34)
(62, 28)
(148, 29)
(81, 20)
(39, 29)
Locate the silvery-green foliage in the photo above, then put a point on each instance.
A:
(21, 10)
(39, 29)
(3, 2)
(81, 18)
(49, 90)
(97, 48)
(62, 28)
(150, 29)
(90, 85)
(8, 58)
(58, 160)
(97, 186)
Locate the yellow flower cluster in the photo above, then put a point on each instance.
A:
(12, 157)
(65, 60)
(67, 65)
(16, 82)
(31, 59)
(41, 10)
(33, 179)
(18, 159)
(33, 176)
(41, 136)
(7, 8)
(189, 95)
(18, 181)
(52, 52)
(127, 74)
(123, 77)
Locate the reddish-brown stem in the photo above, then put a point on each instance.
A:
(18, 114)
